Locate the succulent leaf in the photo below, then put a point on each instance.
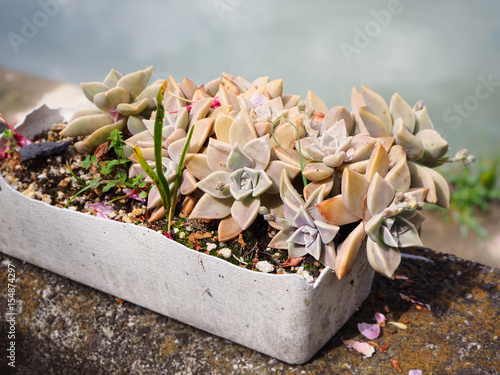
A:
(380, 195)
(217, 155)
(378, 163)
(245, 211)
(242, 131)
(383, 259)
(434, 145)
(423, 121)
(354, 189)
(376, 105)
(260, 152)
(334, 211)
(374, 125)
(348, 251)
(209, 207)
(413, 146)
(238, 159)
(90, 89)
(400, 109)
(86, 125)
(216, 184)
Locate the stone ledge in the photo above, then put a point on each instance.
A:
(64, 327)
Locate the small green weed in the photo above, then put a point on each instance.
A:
(472, 190)
(114, 170)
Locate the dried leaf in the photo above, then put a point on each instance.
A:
(101, 150)
(240, 241)
(196, 236)
(375, 345)
(291, 262)
(395, 364)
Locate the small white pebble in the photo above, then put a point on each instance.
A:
(211, 246)
(176, 230)
(302, 272)
(42, 176)
(189, 228)
(182, 235)
(264, 266)
(225, 252)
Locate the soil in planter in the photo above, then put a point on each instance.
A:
(50, 181)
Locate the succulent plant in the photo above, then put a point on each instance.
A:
(240, 145)
(232, 192)
(371, 199)
(305, 230)
(119, 99)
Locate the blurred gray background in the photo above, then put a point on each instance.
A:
(446, 52)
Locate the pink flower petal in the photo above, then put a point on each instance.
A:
(102, 209)
(133, 194)
(364, 348)
(380, 318)
(215, 103)
(415, 372)
(370, 331)
(102, 215)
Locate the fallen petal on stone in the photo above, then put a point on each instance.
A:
(370, 331)
(380, 318)
(362, 347)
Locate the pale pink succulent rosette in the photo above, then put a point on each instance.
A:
(370, 167)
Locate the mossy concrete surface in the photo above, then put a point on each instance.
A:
(63, 327)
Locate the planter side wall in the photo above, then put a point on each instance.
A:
(283, 316)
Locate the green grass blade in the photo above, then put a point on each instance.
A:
(178, 176)
(160, 114)
(80, 181)
(151, 173)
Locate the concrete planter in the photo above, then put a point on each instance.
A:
(283, 316)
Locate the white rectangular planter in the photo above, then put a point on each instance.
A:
(283, 316)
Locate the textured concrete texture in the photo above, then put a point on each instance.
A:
(63, 327)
